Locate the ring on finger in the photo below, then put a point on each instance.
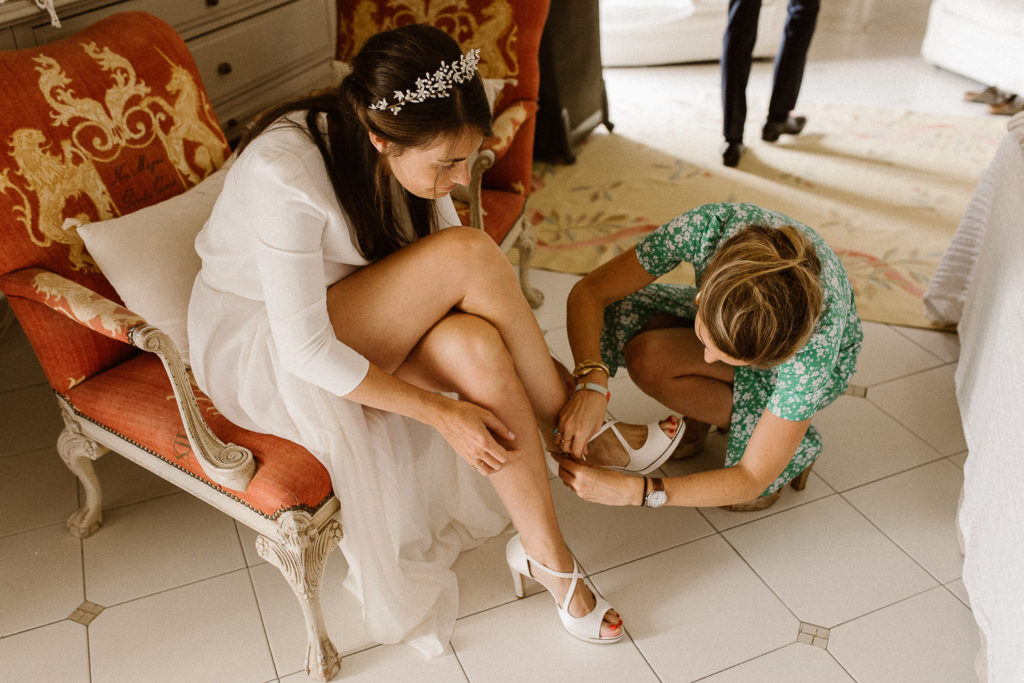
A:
(478, 465)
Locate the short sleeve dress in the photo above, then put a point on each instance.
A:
(263, 348)
(794, 390)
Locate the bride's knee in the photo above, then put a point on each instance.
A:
(476, 343)
(478, 351)
(471, 250)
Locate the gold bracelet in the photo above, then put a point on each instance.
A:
(586, 366)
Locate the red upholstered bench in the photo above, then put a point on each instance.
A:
(109, 128)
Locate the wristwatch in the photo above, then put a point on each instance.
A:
(656, 497)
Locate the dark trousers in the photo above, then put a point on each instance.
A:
(737, 51)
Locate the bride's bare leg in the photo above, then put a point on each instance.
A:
(465, 354)
(389, 305)
(399, 313)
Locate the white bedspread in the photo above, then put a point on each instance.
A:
(990, 392)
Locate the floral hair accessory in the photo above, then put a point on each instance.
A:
(434, 86)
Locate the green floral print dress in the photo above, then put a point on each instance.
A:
(794, 390)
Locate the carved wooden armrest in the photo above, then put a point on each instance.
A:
(226, 464)
(481, 161)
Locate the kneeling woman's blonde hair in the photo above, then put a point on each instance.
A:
(760, 295)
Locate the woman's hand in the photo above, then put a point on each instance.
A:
(470, 430)
(581, 417)
(598, 485)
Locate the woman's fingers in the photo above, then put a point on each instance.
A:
(598, 485)
(566, 469)
(488, 463)
(579, 420)
(496, 426)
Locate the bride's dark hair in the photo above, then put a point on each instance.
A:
(389, 61)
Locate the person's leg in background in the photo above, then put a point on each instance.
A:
(737, 51)
(789, 70)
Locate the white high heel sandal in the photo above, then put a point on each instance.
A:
(587, 627)
(656, 449)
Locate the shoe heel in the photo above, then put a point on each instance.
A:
(518, 585)
(801, 479)
(518, 564)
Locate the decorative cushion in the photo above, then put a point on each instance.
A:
(149, 256)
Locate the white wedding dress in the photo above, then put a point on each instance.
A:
(262, 347)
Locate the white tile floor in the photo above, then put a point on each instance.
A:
(854, 578)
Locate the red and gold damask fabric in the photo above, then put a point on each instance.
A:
(93, 126)
(136, 396)
(507, 33)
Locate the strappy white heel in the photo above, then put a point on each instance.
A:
(587, 627)
(657, 448)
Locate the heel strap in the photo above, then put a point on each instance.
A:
(604, 427)
(587, 627)
(574, 575)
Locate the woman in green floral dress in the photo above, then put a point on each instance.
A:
(767, 338)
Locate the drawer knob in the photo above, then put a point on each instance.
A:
(224, 68)
(212, 3)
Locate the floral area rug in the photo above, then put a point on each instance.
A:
(885, 188)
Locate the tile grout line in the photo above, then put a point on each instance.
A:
(256, 599)
(893, 541)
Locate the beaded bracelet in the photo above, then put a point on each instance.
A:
(594, 386)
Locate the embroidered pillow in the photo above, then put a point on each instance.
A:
(149, 255)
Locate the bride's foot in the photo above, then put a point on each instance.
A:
(605, 450)
(583, 599)
(583, 606)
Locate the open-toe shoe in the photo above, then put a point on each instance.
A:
(657, 447)
(690, 449)
(587, 627)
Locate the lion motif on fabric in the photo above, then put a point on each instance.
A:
(58, 171)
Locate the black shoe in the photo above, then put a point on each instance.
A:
(731, 153)
(791, 126)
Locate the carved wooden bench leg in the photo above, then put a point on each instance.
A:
(526, 243)
(78, 451)
(301, 556)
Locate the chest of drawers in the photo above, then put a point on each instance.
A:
(251, 54)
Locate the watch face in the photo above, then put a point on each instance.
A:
(656, 499)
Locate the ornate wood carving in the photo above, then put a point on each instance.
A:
(78, 451)
(300, 554)
(483, 160)
(229, 465)
(526, 243)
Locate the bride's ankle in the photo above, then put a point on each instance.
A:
(606, 451)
